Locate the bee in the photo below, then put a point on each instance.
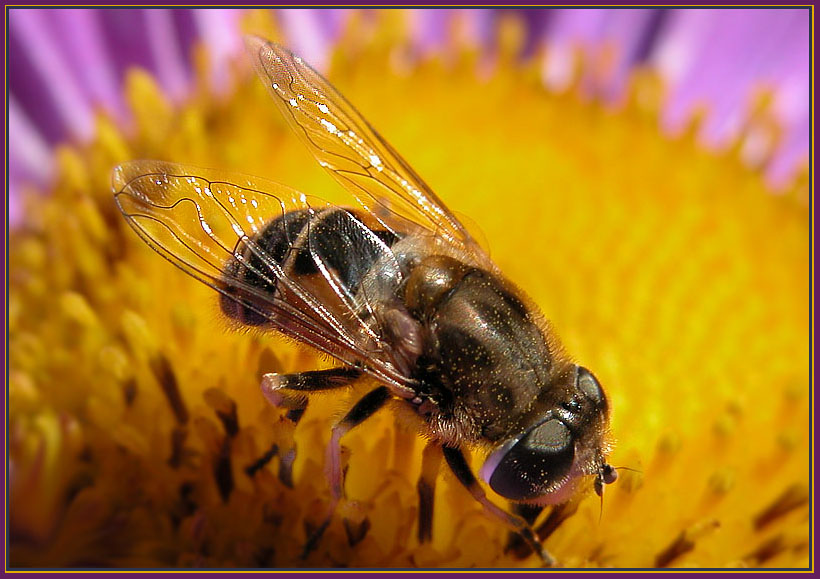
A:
(396, 289)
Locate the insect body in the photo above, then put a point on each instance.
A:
(393, 287)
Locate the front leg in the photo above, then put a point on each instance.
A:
(559, 513)
(529, 513)
(458, 464)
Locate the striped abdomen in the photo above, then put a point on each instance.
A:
(307, 246)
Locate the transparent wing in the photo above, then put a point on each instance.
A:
(353, 152)
(216, 226)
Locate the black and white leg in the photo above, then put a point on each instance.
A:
(370, 403)
(426, 487)
(289, 391)
(458, 464)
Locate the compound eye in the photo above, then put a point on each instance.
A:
(534, 465)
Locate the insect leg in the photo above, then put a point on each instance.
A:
(289, 391)
(371, 403)
(529, 513)
(430, 464)
(458, 464)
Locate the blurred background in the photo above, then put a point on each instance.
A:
(719, 64)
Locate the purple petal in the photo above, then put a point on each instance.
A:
(429, 29)
(219, 29)
(186, 30)
(15, 212)
(172, 70)
(127, 39)
(29, 157)
(333, 21)
(307, 35)
(480, 25)
(717, 56)
(51, 94)
(629, 33)
(570, 30)
(80, 35)
(28, 151)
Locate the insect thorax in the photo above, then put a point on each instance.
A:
(486, 363)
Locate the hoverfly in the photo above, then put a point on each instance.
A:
(395, 289)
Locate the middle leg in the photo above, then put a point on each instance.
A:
(426, 488)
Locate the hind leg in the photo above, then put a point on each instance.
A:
(370, 403)
(289, 391)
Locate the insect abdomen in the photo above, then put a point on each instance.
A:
(303, 243)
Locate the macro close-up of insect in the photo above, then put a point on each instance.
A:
(395, 289)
